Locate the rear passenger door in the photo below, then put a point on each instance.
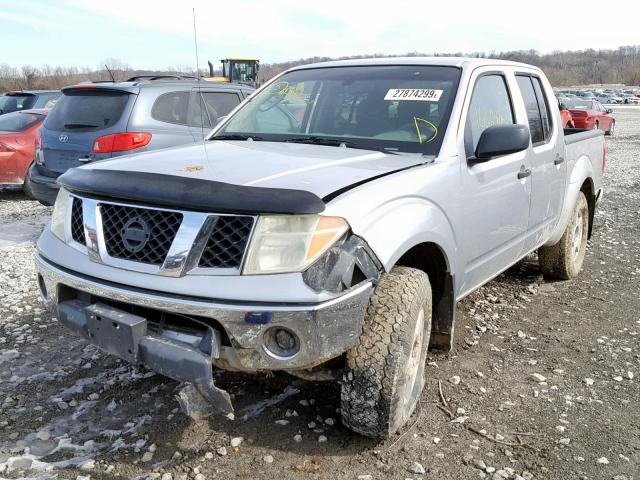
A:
(547, 163)
(207, 107)
(494, 201)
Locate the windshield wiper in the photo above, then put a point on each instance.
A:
(80, 125)
(337, 142)
(236, 136)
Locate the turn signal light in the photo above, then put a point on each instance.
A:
(121, 142)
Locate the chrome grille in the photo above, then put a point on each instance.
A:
(227, 242)
(77, 222)
(156, 230)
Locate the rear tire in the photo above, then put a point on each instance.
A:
(564, 259)
(26, 186)
(384, 373)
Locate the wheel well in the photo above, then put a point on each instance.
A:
(430, 258)
(588, 190)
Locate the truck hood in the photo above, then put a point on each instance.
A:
(321, 170)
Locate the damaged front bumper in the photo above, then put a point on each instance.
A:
(201, 332)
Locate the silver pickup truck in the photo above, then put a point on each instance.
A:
(327, 228)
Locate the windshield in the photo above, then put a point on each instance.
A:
(12, 103)
(579, 104)
(390, 108)
(19, 121)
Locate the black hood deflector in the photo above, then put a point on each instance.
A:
(189, 193)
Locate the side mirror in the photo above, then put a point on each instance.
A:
(502, 140)
(609, 110)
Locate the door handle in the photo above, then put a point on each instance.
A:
(524, 173)
(559, 159)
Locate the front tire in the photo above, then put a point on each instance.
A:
(564, 259)
(384, 373)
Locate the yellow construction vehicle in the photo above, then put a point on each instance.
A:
(237, 70)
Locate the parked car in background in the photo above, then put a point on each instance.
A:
(615, 97)
(586, 96)
(23, 100)
(17, 145)
(95, 121)
(630, 99)
(565, 116)
(606, 99)
(591, 114)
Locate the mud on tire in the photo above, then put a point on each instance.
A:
(564, 259)
(384, 373)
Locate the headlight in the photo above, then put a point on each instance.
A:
(290, 243)
(60, 214)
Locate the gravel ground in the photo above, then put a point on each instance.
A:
(543, 382)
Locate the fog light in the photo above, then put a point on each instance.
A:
(281, 342)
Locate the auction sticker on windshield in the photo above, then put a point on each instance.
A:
(422, 94)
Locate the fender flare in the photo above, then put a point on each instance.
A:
(417, 222)
(414, 220)
(582, 171)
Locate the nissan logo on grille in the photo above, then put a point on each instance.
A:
(135, 234)
(63, 138)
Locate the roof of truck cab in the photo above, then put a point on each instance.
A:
(435, 61)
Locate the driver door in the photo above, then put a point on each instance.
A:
(495, 194)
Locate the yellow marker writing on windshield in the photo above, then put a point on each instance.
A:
(435, 129)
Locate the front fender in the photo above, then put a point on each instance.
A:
(396, 226)
(582, 170)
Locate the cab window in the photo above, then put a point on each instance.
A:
(490, 105)
(532, 108)
(537, 108)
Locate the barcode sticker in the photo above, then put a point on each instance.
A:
(419, 94)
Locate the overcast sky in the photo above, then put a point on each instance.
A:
(158, 34)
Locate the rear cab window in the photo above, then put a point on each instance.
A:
(89, 110)
(490, 105)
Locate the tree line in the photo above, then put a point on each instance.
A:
(563, 68)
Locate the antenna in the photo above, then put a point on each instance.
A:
(112, 79)
(200, 99)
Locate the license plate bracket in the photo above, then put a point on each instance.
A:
(115, 331)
